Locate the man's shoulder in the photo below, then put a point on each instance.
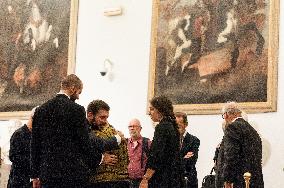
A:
(192, 137)
(20, 131)
(239, 126)
(61, 100)
(145, 138)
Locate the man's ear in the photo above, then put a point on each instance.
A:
(90, 115)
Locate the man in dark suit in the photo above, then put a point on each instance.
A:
(189, 146)
(19, 155)
(61, 151)
(242, 150)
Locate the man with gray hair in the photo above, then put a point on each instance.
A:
(242, 151)
(138, 149)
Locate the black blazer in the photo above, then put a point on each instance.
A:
(60, 146)
(242, 153)
(164, 156)
(19, 155)
(190, 144)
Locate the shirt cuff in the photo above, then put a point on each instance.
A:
(118, 139)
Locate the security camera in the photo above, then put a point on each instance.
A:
(103, 73)
(106, 68)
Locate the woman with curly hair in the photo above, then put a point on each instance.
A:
(163, 165)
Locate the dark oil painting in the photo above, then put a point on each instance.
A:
(36, 51)
(207, 52)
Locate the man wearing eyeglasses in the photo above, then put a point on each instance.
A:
(138, 148)
(242, 149)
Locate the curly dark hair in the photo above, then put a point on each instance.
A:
(97, 105)
(163, 105)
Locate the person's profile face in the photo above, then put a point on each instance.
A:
(154, 114)
(101, 117)
(75, 93)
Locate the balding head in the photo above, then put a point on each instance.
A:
(134, 128)
(230, 111)
(231, 108)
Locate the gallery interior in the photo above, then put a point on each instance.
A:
(113, 54)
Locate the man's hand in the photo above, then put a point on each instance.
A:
(143, 184)
(121, 135)
(188, 155)
(228, 185)
(36, 183)
(109, 159)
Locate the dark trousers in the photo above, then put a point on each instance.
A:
(189, 183)
(110, 184)
(135, 183)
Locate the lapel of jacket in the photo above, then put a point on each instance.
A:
(186, 142)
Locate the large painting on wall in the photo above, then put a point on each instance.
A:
(37, 49)
(207, 52)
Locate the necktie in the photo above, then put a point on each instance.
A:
(181, 141)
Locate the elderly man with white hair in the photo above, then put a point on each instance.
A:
(138, 149)
(242, 151)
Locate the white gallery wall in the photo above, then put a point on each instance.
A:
(125, 40)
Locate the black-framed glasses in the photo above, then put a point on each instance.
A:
(223, 115)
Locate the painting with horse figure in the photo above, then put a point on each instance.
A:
(37, 47)
(207, 52)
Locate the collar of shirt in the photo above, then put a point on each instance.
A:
(236, 119)
(139, 140)
(184, 134)
(62, 93)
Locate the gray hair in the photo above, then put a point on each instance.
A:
(231, 107)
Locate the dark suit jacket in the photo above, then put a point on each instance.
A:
(60, 146)
(242, 153)
(19, 155)
(164, 156)
(190, 144)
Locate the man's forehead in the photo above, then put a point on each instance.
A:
(102, 112)
(134, 124)
(179, 120)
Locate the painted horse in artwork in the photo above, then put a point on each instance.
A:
(211, 25)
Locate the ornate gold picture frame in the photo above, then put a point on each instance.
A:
(207, 52)
(37, 47)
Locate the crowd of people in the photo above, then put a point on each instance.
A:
(65, 146)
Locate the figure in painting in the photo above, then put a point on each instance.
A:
(207, 43)
(34, 40)
(34, 48)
